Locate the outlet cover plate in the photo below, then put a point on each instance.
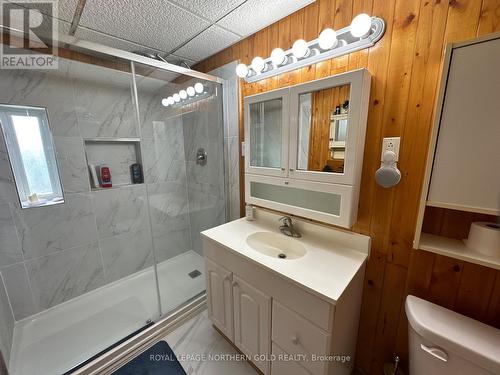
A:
(391, 144)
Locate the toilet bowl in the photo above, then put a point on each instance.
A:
(444, 342)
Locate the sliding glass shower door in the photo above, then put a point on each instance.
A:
(182, 144)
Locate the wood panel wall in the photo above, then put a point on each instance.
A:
(406, 66)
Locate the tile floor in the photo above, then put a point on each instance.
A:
(196, 340)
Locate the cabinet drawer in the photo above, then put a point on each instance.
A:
(282, 365)
(297, 335)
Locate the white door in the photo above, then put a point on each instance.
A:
(219, 297)
(252, 327)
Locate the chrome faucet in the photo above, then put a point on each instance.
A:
(287, 228)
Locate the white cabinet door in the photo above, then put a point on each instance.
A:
(220, 297)
(266, 133)
(252, 317)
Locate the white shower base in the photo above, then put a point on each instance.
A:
(58, 339)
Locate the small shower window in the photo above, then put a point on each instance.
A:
(32, 156)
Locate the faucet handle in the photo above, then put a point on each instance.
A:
(287, 220)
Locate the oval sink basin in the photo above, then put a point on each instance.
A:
(276, 245)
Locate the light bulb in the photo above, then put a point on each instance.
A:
(327, 39)
(183, 94)
(198, 87)
(170, 100)
(177, 98)
(190, 91)
(258, 64)
(300, 48)
(164, 102)
(278, 56)
(242, 70)
(361, 25)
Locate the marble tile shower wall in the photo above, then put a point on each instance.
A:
(50, 255)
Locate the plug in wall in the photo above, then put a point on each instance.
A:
(388, 175)
(390, 144)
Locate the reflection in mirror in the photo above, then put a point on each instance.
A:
(265, 133)
(31, 155)
(323, 129)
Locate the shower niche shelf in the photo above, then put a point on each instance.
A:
(116, 153)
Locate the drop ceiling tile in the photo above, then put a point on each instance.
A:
(111, 41)
(156, 24)
(210, 9)
(257, 14)
(65, 11)
(208, 43)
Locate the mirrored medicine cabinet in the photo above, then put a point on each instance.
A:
(304, 147)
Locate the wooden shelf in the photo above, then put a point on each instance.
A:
(455, 249)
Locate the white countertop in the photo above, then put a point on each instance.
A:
(333, 256)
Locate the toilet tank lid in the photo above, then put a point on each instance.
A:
(465, 337)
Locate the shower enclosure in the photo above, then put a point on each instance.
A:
(79, 276)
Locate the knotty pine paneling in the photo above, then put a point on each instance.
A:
(406, 67)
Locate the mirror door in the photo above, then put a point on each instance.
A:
(326, 117)
(266, 129)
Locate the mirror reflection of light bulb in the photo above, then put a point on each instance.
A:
(170, 100)
(278, 56)
(258, 64)
(361, 25)
(183, 94)
(164, 102)
(327, 39)
(190, 91)
(242, 70)
(198, 87)
(300, 48)
(177, 98)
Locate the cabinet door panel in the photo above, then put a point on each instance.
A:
(266, 133)
(220, 297)
(252, 317)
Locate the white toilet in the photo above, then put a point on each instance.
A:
(443, 342)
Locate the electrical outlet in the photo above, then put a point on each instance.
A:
(391, 144)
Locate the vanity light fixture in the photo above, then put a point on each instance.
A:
(363, 32)
(189, 95)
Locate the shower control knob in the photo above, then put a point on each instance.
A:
(235, 284)
(295, 340)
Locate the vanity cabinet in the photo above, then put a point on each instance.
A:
(283, 328)
(288, 138)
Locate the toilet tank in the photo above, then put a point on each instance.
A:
(442, 342)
